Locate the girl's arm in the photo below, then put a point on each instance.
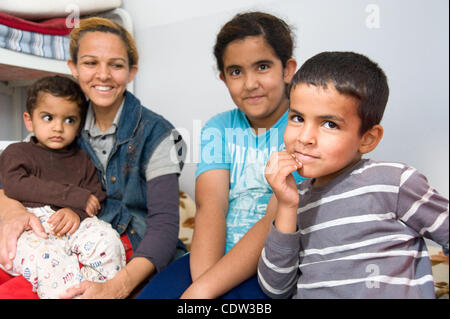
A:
(208, 242)
(239, 264)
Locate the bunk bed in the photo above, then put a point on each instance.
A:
(26, 55)
(21, 64)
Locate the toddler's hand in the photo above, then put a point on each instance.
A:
(92, 205)
(278, 174)
(64, 221)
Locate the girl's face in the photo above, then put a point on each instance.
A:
(256, 80)
(102, 69)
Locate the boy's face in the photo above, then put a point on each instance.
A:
(323, 131)
(55, 121)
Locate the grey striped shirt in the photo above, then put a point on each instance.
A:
(359, 236)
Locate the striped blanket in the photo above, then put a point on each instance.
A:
(44, 45)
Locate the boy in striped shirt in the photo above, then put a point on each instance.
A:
(355, 229)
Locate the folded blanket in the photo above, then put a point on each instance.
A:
(44, 45)
(55, 26)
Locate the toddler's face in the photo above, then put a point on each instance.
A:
(322, 131)
(55, 121)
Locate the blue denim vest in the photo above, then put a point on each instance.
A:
(139, 132)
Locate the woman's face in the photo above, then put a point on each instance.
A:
(102, 69)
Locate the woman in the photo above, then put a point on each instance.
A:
(129, 145)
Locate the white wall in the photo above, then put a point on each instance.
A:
(408, 38)
(6, 114)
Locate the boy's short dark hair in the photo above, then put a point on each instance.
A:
(351, 74)
(59, 86)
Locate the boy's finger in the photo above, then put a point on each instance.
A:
(55, 218)
(57, 227)
(297, 160)
(67, 227)
(73, 229)
(89, 211)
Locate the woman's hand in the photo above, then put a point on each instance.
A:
(95, 290)
(64, 221)
(119, 287)
(14, 220)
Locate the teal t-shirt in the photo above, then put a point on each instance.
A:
(229, 142)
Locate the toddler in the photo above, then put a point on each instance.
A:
(58, 183)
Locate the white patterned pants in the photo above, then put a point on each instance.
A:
(52, 265)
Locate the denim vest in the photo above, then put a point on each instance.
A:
(139, 132)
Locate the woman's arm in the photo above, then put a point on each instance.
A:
(159, 242)
(155, 250)
(239, 264)
(14, 220)
(208, 242)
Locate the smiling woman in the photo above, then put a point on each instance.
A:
(104, 60)
(129, 145)
(103, 69)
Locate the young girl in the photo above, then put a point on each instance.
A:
(254, 57)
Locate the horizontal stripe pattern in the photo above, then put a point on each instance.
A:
(361, 170)
(347, 220)
(355, 245)
(281, 270)
(415, 206)
(44, 45)
(351, 227)
(349, 194)
(385, 279)
(367, 256)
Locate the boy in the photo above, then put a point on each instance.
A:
(354, 229)
(59, 184)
